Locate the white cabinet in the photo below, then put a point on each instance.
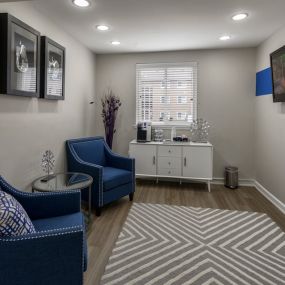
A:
(192, 161)
(145, 155)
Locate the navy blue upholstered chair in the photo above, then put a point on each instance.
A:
(113, 175)
(57, 252)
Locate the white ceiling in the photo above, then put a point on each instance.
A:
(164, 25)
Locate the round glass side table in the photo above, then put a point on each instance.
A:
(65, 182)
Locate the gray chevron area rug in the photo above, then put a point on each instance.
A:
(165, 245)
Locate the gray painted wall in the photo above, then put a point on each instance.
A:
(225, 94)
(269, 155)
(30, 126)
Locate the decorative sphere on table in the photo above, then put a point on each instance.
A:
(199, 130)
(48, 161)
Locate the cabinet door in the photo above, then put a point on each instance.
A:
(198, 162)
(145, 156)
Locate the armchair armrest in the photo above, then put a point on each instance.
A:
(118, 161)
(94, 170)
(51, 257)
(45, 205)
(76, 164)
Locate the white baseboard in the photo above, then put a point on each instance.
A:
(275, 201)
(242, 182)
(251, 183)
(261, 189)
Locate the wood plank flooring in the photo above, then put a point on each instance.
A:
(105, 229)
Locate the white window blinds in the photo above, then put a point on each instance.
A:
(166, 93)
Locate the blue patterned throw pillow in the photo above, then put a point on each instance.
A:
(14, 221)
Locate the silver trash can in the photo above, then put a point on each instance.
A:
(231, 177)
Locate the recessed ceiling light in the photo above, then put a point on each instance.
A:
(225, 38)
(81, 3)
(115, 43)
(240, 16)
(102, 28)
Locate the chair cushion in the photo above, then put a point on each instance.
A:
(72, 220)
(114, 177)
(91, 151)
(14, 221)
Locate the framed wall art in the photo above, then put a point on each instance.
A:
(52, 69)
(19, 57)
(277, 59)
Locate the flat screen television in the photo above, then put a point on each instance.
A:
(277, 59)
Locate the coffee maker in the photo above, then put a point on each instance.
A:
(144, 132)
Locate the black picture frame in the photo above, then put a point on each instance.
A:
(19, 58)
(277, 61)
(52, 70)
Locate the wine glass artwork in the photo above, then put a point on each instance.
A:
(199, 130)
(48, 161)
(53, 68)
(22, 63)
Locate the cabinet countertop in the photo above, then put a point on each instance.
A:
(169, 143)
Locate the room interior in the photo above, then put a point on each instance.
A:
(119, 219)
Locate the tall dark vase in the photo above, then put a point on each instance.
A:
(109, 134)
(110, 107)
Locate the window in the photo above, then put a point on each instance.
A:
(181, 99)
(181, 84)
(164, 99)
(181, 116)
(164, 116)
(163, 84)
(146, 102)
(166, 92)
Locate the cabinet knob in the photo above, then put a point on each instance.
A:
(153, 160)
(169, 172)
(169, 151)
(169, 163)
(185, 163)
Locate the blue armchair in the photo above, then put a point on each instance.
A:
(113, 175)
(57, 252)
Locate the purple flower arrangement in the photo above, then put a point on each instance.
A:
(110, 106)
